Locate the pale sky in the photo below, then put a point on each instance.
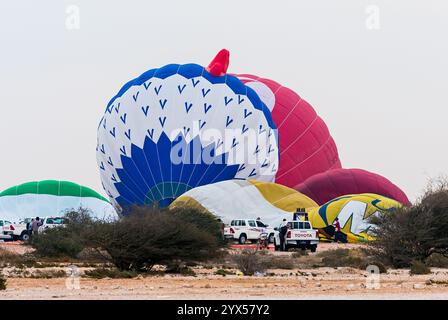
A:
(381, 85)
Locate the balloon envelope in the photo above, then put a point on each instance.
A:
(179, 127)
(246, 199)
(51, 198)
(335, 183)
(306, 146)
(353, 212)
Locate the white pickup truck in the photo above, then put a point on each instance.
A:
(245, 230)
(19, 231)
(300, 234)
(5, 230)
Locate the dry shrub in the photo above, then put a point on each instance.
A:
(299, 253)
(279, 262)
(146, 237)
(11, 259)
(415, 233)
(437, 260)
(2, 283)
(101, 273)
(68, 241)
(353, 258)
(48, 274)
(150, 236)
(418, 267)
(342, 258)
(249, 262)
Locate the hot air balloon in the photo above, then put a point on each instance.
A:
(335, 183)
(245, 199)
(306, 146)
(52, 198)
(353, 212)
(180, 127)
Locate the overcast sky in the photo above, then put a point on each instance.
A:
(376, 72)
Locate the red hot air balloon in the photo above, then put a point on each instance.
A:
(306, 146)
(335, 183)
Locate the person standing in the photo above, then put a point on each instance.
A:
(29, 227)
(337, 230)
(282, 234)
(35, 226)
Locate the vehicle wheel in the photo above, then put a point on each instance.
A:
(25, 236)
(242, 239)
(271, 238)
(313, 248)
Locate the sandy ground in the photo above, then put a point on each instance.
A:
(320, 283)
(324, 283)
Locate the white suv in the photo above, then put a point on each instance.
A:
(247, 229)
(52, 222)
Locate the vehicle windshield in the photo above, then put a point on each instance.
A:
(261, 224)
(55, 221)
(299, 225)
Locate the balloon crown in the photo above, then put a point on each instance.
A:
(218, 66)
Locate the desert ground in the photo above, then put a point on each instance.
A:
(298, 283)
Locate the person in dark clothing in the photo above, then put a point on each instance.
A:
(282, 234)
(221, 227)
(338, 235)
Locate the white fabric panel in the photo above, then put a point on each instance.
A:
(230, 200)
(16, 208)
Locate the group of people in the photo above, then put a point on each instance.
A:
(33, 226)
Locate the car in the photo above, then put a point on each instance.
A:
(300, 235)
(20, 232)
(5, 230)
(244, 230)
(52, 222)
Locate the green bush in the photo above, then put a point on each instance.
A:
(414, 233)
(66, 241)
(150, 236)
(57, 242)
(146, 237)
(418, 267)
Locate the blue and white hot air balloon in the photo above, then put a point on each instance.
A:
(183, 126)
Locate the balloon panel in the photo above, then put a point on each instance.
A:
(246, 199)
(335, 183)
(17, 208)
(306, 145)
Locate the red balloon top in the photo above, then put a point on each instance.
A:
(218, 66)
